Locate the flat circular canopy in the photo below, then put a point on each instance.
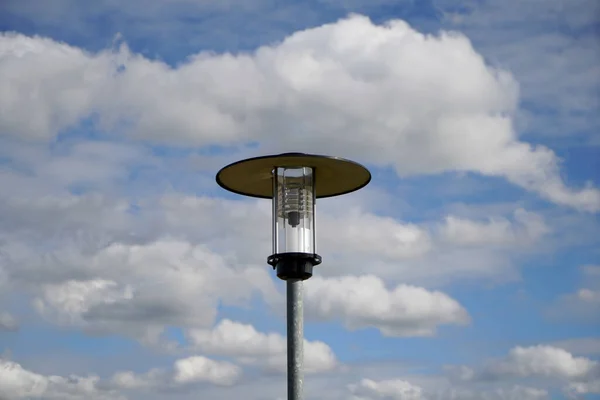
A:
(334, 176)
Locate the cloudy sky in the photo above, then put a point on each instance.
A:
(469, 269)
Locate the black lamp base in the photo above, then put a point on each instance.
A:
(297, 266)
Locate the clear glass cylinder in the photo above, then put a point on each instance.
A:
(293, 210)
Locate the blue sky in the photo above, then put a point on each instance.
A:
(468, 269)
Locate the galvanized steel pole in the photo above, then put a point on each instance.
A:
(295, 339)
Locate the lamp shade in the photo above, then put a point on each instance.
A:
(334, 176)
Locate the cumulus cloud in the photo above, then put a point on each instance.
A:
(365, 233)
(352, 239)
(499, 393)
(543, 361)
(368, 389)
(575, 390)
(580, 346)
(527, 227)
(566, 88)
(111, 264)
(198, 369)
(582, 305)
(53, 196)
(242, 229)
(364, 301)
(101, 270)
(136, 290)
(399, 389)
(8, 322)
(267, 350)
(185, 372)
(346, 79)
(77, 232)
(347, 237)
(236, 228)
(17, 382)
(578, 374)
(592, 274)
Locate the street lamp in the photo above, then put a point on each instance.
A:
(294, 181)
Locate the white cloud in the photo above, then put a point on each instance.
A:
(129, 380)
(364, 233)
(235, 228)
(70, 300)
(584, 303)
(103, 268)
(499, 393)
(526, 228)
(185, 372)
(91, 162)
(138, 290)
(581, 346)
(400, 389)
(268, 350)
(578, 388)
(61, 237)
(99, 266)
(460, 372)
(364, 301)
(368, 389)
(446, 110)
(561, 98)
(41, 205)
(75, 74)
(351, 240)
(8, 322)
(591, 274)
(19, 383)
(347, 237)
(200, 369)
(545, 361)
(553, 364)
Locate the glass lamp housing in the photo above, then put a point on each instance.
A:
(294, 210)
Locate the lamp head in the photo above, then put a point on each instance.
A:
(293, 181)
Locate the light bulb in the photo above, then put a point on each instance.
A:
(296, 201)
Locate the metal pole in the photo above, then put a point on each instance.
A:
(295, 339)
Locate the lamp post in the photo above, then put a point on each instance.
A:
(294, 181)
